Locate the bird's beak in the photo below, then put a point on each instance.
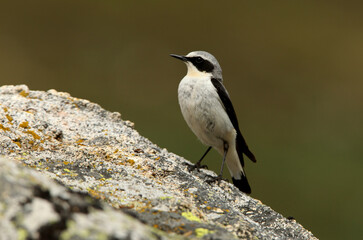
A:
(184, 59)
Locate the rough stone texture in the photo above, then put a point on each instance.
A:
(35, 207)
(91, 150)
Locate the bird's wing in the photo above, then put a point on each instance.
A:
(241, 144)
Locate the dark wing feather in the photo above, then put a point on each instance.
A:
(241, 144)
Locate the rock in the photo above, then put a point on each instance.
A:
(111, 173)
(35, 207)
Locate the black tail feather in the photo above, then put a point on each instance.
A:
(242, 147)
(249, 154)
(242, 184)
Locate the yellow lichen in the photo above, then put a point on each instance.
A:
(166, 197)
(200, 232)
(22, 234)
(191, 217)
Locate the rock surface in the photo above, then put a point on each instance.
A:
(35, 207)
(102, 161)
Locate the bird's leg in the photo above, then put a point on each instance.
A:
(219, 177)
(197, 165)
(225, 146)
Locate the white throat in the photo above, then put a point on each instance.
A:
(194, 72)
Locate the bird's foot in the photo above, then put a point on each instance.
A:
(216, 179)
(197, 166)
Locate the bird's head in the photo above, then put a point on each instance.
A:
(201, 64)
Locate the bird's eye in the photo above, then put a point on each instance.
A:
(199, 60)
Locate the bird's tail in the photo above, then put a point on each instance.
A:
(242, 184)
(235, 167)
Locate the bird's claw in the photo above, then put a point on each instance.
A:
(197, 166)
(216, 179)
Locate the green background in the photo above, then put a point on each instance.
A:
(294, 70)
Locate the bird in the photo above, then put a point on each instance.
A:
(208, 111)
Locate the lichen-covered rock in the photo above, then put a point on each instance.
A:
(35, 207)
(91, 150)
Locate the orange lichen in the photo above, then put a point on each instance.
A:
(80, 141)
(10, 118)
(17, 143)
(24, 93)
(127, 206)
(24, 124)
(4, 128)
(187, 234)
(35, 136)
(94, 193)
(130, 161)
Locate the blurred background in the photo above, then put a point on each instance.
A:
(294, 70)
